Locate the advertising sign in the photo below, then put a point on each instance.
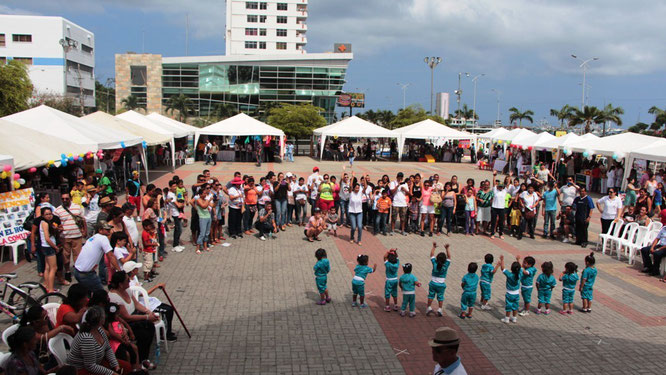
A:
(342, 48)
(15, 206)
(351, 99)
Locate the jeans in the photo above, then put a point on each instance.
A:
(41, 262)
(301, 213)
(264, 228)
(496, 218)
(366, 213)
(356, 219)
(549, 217)
(248, 216)
(290, 213)
(469, 222)
(381, 222)
(204, 230)
(652, 266)
(313, 205)
(446, 215)
(235, 218)
(528, 224)
(290, 156)
(89, 279)
(161, 240)
(177, 230)
(281, 212)
(344, 212)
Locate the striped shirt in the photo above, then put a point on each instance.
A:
(70, 230)
(87, 354)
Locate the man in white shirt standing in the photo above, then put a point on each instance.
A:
(445, 346)
(173, 205)
(530, 201)
(313, 185)
(399, 191)
(569, 192)
(92, 252)
(497, 208)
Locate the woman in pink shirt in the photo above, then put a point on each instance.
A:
(427, 208)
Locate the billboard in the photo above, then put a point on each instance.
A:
(342, 48)
(351, 99)
(15, 207)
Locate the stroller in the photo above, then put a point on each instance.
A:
(459, 215)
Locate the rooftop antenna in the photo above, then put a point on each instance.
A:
(187, 34)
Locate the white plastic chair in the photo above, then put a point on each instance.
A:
(8, 332)
(3, 358)
(159, 325)
(15, 250)
(51, 311)
(655, 225)
(58, 349)
(613, 232)
(636, 244)
(626, 233)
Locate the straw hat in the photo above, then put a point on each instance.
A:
(444, 337)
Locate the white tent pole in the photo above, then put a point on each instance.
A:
(144, 161)
(401, 147)
(322, 139)
(628, 162)
(282, 140)
(173, 154)
(196, 143)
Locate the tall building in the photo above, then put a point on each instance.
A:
(59, 53)
(442, 103)
(266, 27)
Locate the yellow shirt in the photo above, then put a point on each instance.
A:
(77, 195)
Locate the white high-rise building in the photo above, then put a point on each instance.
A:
(60, 54)
(266, 27)
(442, 105)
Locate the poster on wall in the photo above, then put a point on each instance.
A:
(15, 207)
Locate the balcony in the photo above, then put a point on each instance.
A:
(301, 26)
(302, 14)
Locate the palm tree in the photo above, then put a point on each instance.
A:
(640, 127)
(224, 110)
(385, 117)
(516, 114)
(465, 112)
(180, 103)
(611, 114)
(563, 114)
(131, 103)
(588, 116)
(659, 117)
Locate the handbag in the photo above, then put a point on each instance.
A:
(529, 214)
(436, 198)
(78, 220)
(27, 223)
(44, 356)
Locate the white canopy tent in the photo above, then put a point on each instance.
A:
(514, 136)
(655, 152)
(556, 142)
(353, 127)
(242, 125)
(493, 133)
(534, 143)
(429, 129)
(158, 117)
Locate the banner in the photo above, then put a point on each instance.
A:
(15, 206)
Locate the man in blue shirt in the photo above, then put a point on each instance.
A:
(550, 198)
(658, 250)
(583, 205)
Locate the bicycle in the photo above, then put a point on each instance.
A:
(21, 297)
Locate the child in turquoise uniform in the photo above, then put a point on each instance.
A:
(321, 270)
(587, 279)
(569, 279)
(527, 274)
(512, 297)
(469, 284)
(392, 263)
(361, 271)
(487, 275)
(407, 283)
(437, 285)
(545, 284)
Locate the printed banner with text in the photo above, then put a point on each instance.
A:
(15, 207)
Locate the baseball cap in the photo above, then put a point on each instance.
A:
(315, 169)
(103, 224)
(131, 265)
(289, 174)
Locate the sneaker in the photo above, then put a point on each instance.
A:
(547, 312)
(429, 311)
(537, 311)
(363, 306)
(439, 312)
(354, 304)
(387, 308)
(563, 312)
(570, 312)
(566, 240)
(402, 313)
(412, 314)
(514, 320)
(395, 308)
(462, 315)
(262, 238)
(505, 319)
(524, 313)
(403, 233)
(391, 234)
(171, 337)
(321, 302)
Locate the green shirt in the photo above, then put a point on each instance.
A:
(105, 181)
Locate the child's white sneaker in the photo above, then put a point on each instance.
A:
(428, 311)
(263, 238)
(439, 312)
(412, 314)
(402, 313)
(485, 307)
(514, 320)
(354, 304)
(505, 319)
(524, 313)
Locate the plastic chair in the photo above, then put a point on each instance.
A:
(8, 332)
(626, 233)
(159, 325)
(58, 349)
(52, 311)
(613, 232)
(3, 358)
(15, 250)
(636, 244)
(655, 225)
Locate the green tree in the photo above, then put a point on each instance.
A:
(465, 112)
(411, 115)
(105, 98)
(563, 114)
(638, 128)
(180, 103)
(65, 104)
(517, 115)
(588, 116)
(15, 88)
(385, 118)
(131, 103)
(297, 120)
(610, 114)
(223, 111)
(659, 117)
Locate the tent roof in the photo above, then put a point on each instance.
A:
(656, 151)
(168, 120)
(493, 133)
(238, 125)
(71, 128)
(515, 135)
(560, 141)
(111, 122)
(155, 126)
(618, 143)
(32, 148)
(355, 127)
(431, 129)
(589, 136)
(7, 159)
(535, 140)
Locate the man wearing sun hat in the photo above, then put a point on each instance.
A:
(445, 352)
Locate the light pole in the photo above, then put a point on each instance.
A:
(459, 91)
(583, 65)
(499, 93)
(403, 86)
(476, 78)
(432, 63)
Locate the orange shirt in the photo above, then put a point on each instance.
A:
(384, 205)
(251, 196)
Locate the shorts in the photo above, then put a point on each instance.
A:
(436, 289)
(485, 291)
(427, 209)
(527, 294)
(587, 293)
(512, 302)
(147, 262)
(544, 296)
(467, 300)
(358, 288)
(398, 211)
(391, 288)
(567, 296)
(136, 201)
(332, 226)
(325, 205)
(321, 283)
(483, 214)
(47, 251)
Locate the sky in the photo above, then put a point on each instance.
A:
(523, 47)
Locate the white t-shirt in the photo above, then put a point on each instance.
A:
(238, 202)
(92, 252)
(542, 174)
(499, 198)
(512, 189)
(529, 199)
(171, 203)
(610, 176)
(399, 197)
(356, 202)
(120, 252)
(132, 229)
(568, 195)
(300, 192)
(610, 207)
(314, 179)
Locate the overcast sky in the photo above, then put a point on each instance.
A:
(522, 46)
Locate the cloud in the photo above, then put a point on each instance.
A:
(4, 9)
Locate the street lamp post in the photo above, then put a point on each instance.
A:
(432, 63)
(583, 65)
(476, 78)
(499, 93)
(404, 86)
(459, 91)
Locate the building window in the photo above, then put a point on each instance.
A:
(250, 31)
(251, 5)
(262, 19)
(262, 45)
(2, 40)
(262, 32)
(251, 45)
(263, 6)
(281, 19)
(86, 49)
(280, 45)
(281, 32)
(138, 75)
(22, 38)
(25, 60)
(251, 18)
(281, 6)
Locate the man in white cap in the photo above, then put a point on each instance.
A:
(445, 352)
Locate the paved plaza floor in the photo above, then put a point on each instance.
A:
(251, 306)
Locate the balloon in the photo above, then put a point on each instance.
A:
(76, 157)
(529, 148)
(51, 162)
(16, 176)
(16, 185)
(122, 144)
(499, 142)
(71, 158)
(62, 156)
(144, 144)
(82, 155)
(32, 170)
(21, 181)
(586, 154)
(69, 155)
(3, 175)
